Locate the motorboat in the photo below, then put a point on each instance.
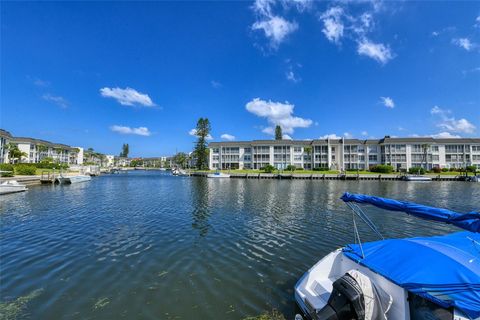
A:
(74, 179)
(11, 186)
(413, 279)
(417, 178)
(218, 174)
(474, 179)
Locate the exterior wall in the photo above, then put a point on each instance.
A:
(109, 159)
(346, 154)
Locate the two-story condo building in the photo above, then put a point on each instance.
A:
(35, 150)
(346, 154)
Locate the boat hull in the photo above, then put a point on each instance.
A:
(218, 176)
(12, 189)
(417, 178)
(74, 179)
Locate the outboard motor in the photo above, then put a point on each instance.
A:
(346, 301)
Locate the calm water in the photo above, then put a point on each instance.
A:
(151, 246)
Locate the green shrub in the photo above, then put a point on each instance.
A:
(290, 167)
(47, 165)
(436, 170)
(299, 169)
(6, 167)
(320, 169)
(381, 168)
(453, 169)
(444, 169)
(416, 170)
(268, 168)
(471, 168)
(25, 169)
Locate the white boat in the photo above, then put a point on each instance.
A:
(417, 178)
(474, 179)
(218, 175)
(420, 278)
(11, 186)
(74, 179)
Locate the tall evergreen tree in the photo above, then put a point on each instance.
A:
(201, 150)
(278, 133)
(125, 150)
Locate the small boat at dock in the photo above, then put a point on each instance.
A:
(12, 186)
(416, 178)
(218, 175)
(418, 278)
(74, 179)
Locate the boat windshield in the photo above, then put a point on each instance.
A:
(423, 309)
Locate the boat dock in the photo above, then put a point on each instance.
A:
(300, 176)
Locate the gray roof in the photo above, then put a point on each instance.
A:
(41, 142)
(386, 140)
(5, 134)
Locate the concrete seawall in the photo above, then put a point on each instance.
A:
(380, 177)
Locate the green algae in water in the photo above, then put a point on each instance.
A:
(273, 315)
(101, 303)
(11, 310)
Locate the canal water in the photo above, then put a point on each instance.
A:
(147, 245)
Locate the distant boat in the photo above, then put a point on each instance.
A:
(417, 178)
(218, 175)
(73, 179)
(11, 186)
(474, 179)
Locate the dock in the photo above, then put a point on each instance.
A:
(300, 176)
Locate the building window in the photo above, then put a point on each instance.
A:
(247, 150)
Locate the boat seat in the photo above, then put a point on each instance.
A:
(319, 293)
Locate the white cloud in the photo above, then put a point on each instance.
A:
(193, 132)
(286, 137)
(435, 33)
(330, 136)
(58, 100)
(277, 113)
(449, 123)
(464, 43)
(477, 22)
(332, 24)
(227, 136)
(347, 135)
(140, 131)
(388, 102)
(275, 28)
(127, 96)
(364, 133)
(290, 75)
(216, 84)
(461, 125)
(376, 51)
(41, 83)
(444, 135)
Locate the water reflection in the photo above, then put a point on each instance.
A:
(200, 203)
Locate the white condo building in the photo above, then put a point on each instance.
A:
(36, 150)
(346, 154)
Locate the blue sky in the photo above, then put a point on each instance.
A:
(99, 74)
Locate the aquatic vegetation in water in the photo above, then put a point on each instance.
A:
(11, 310)
(101, 303)
(161, 274)
(273, 315)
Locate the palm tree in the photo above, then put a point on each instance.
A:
(15, 153)
(308, 151)
(425, 152)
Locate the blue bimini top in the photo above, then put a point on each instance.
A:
(443, 269)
